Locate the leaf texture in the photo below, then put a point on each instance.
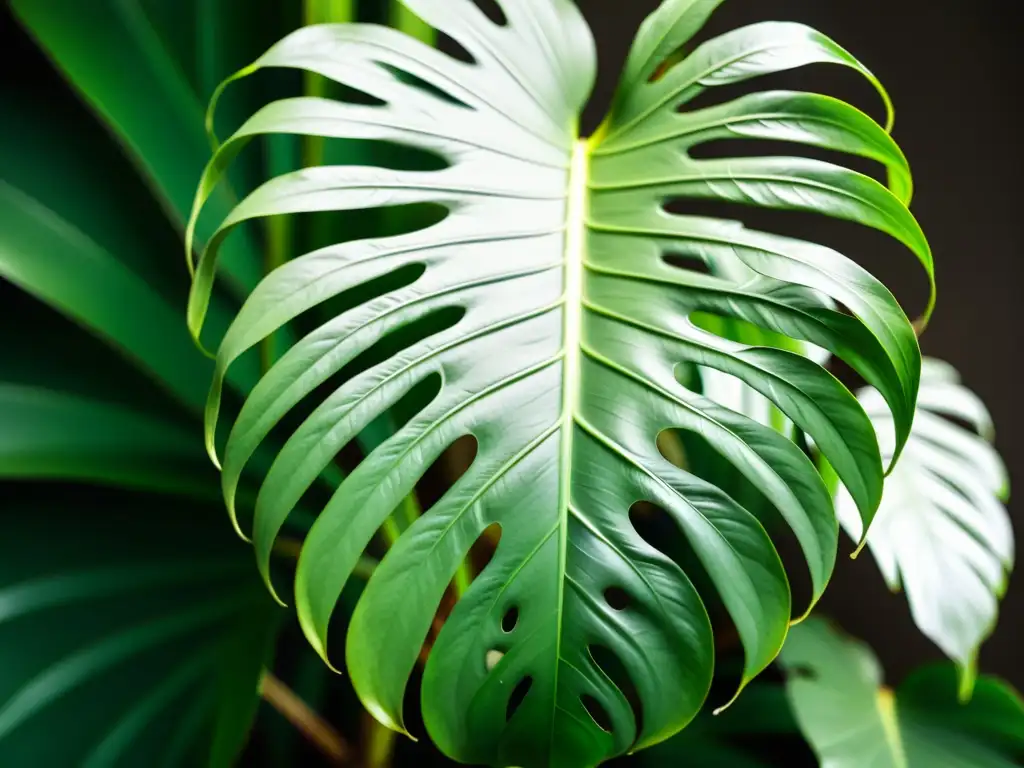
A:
(568, 341)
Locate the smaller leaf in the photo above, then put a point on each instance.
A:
(941, 532)
(852, 720)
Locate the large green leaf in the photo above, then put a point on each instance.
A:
(941, 532)
(571, 332)
(86, 248)
(852, 720)
(143, 95)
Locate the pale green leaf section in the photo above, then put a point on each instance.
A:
(852, 720)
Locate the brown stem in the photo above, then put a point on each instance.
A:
(293, 709)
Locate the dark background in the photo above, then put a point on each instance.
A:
(951, 68)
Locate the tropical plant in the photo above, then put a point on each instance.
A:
(554, 384)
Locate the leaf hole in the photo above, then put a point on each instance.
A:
(485, 547)
(387, 347)
(420, 84)
(350, 95)
(840, 82)
(597, 712)
(446, 470)
(875, 251)
(395, 418)
(688, 262)
(454, 48)
(706, 462)
(319, 493)
(323, 229)
(954, 420)
(492, 10)
(671, 447)
(617, 598)
(656, 527)
(612, 666)
(735, 147)
(313, 318)
(377, 153)
(510, 619)
(780, 336)
(492, 657)
(518, 697)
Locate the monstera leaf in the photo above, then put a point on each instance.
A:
(554, 312)
(851, 719)
(941, 532)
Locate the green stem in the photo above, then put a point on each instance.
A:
(280, 159)
(321, 12)
(378, 743)
(391, 530)
(401, 18)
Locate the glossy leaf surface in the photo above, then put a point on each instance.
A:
(851, 719)
(545, 304)
(942, 533)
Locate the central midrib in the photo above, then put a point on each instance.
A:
(572, 303)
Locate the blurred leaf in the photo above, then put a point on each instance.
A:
(77, 246)
(58, 435)
(852, 720)
(725, 740)
(941, 532)
(143, 96)
(57, 263)
(124, 613)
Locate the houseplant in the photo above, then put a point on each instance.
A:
(762, 308)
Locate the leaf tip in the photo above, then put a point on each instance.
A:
(735, 696)
(860, 548)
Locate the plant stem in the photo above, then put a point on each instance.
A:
(293, 709)
(463, 578)
(321, 12)
(292, 548)
(401, 18)
(280, 159)
(378, 743)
